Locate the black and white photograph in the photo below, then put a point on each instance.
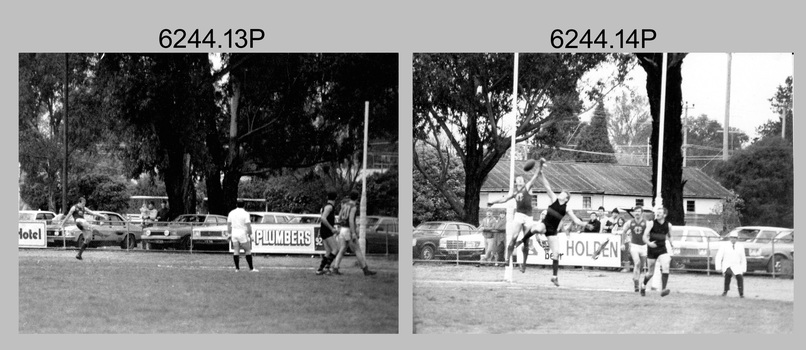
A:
(618, 193)
(229, 192)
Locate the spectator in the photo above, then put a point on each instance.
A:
(500, 235)
(608, 223)
(594, 225)
(162, 214)
(487, 227)
(731, 260)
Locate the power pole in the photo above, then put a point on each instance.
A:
(66, 99)
(685, 134)
(727, 114)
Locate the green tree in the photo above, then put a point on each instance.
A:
(762, 176)
(296, 111)
(781, 103)
(671, 188)
(594, 138)
(102, 192)
(429, 204)
(705, 141)
(41, 100)
(463, 98)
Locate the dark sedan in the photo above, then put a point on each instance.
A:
(426, 236)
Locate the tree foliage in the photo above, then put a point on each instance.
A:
(705, 143)
(781, 103)
(460, 101)
(762, 176)
(594, 138)
(429, 204)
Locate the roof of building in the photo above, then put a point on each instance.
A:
(605, 179)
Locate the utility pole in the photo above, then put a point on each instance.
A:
(66, 99)
(685, 134)
(725, 135)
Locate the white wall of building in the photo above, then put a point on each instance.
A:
(701, 205)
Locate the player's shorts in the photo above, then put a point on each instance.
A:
(523, 219)
(83, 225)
(656, 252)
(239, 236)
(237, 246)
(345, 234)
(637, 251)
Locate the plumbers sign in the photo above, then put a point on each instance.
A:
(285, 239)
(32, 234)
(578, 249)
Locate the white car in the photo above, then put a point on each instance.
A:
(465, 244)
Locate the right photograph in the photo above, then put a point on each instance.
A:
(623, 193)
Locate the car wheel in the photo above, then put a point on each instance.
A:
(776, 263)
(677, 264)
(129, 242)
(184, 243)
(427, 253)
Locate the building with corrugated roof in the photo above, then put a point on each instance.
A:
(609, 185)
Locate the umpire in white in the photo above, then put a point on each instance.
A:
(731, 260)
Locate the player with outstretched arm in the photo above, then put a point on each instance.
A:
(78, 211)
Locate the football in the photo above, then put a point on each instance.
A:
(529, 165)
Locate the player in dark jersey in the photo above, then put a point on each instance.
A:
(656, 234)
(550, 226)
(78, 211)
(327, 231)
(635, 229)
(523, 209)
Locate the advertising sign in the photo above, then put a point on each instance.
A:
(32, 234)
(286, 239)
(578, 249)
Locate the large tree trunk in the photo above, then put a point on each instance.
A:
(179, 184)
(672, 180)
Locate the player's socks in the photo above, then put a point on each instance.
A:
(525, 251)
(555, 265)
(636, 284)
(664, 277)
(237, 260)
(249, 261)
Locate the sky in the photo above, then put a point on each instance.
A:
(755, 78)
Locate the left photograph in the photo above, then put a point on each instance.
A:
(208, 193)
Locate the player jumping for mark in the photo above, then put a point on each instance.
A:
(523, 209)
(550, 225)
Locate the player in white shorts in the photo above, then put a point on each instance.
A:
(635, 228)
(239, 230)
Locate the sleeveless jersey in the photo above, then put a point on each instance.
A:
(554, 214)
(524, 202)
(325, 232)
(636, 231)
(78, 212)
(658, 234)
(344, 213)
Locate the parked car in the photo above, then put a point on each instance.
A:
(37, 215)
(115, 230)
(382, 234)
(177, 233)
(694, 247)
(466, 245)
(426, 237)
(263, 217)
(759, 242)
(304, 219)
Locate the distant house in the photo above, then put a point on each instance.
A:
(609, 185)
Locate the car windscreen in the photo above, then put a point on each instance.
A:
(427, 228)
